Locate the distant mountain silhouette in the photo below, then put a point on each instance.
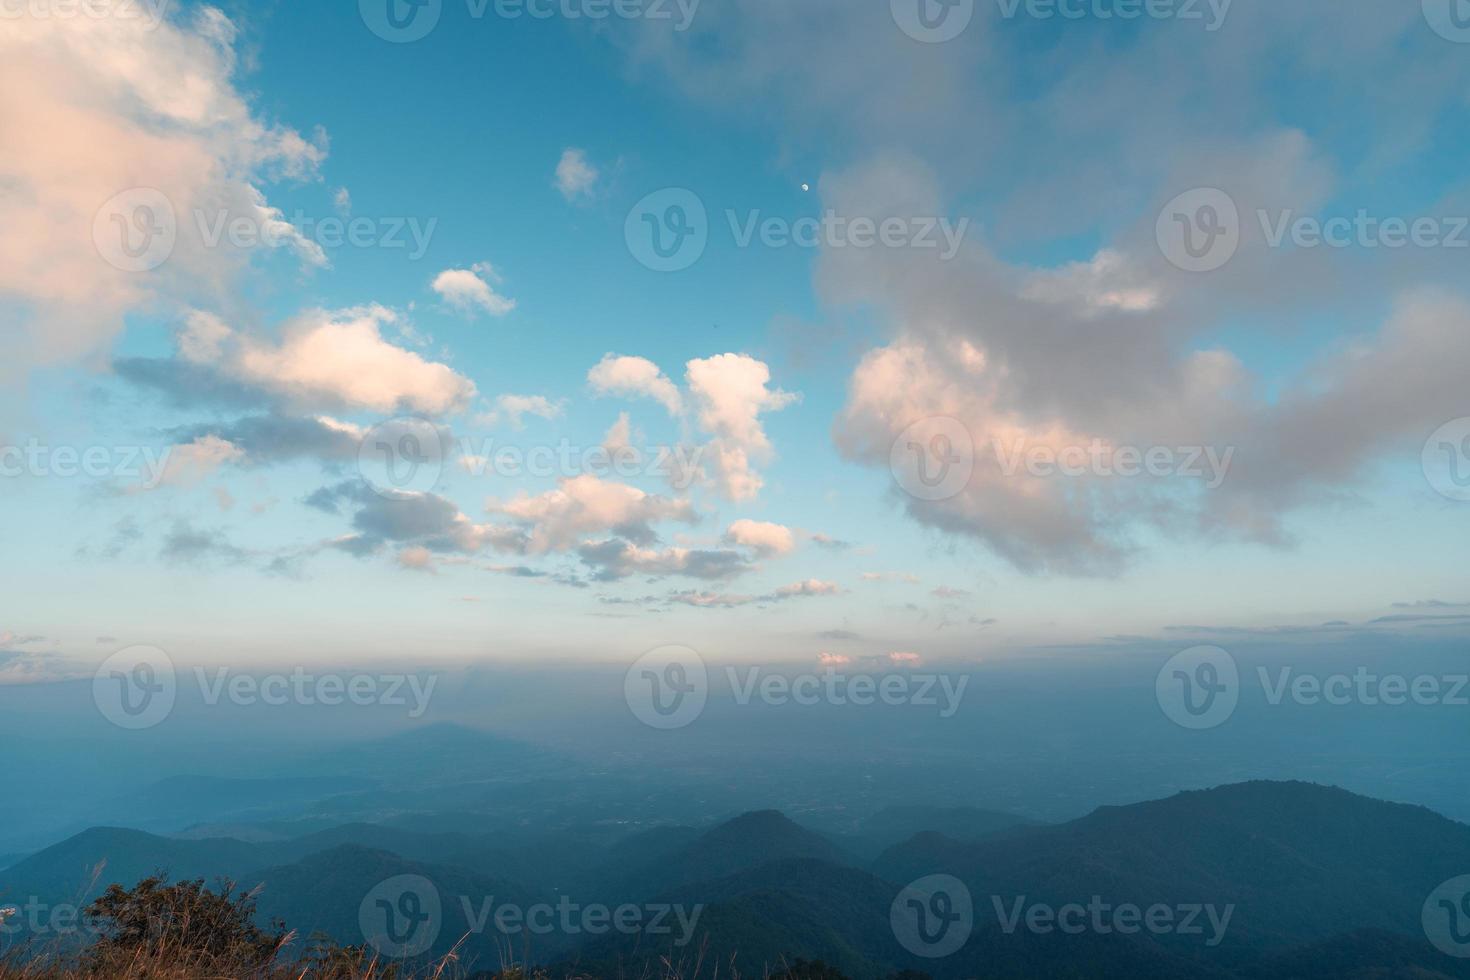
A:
(746, 842)
(1299, 861)
(1319, 882)
(894, 824)
(1301, 864)
(325, 892)
(69, 871)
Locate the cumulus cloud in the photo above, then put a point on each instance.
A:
(586, 505)
(810, 587)
(575, 175)
(724, 600)
(185, 544)
(472, 290)
(765, 539)
(266, 439)
(730, 391)
(192, 462)
(335, 358)
(1017, 367)
(905, 577)
(410, 519)
(513, 409)
(619, 437)
(614, 559)
(416, 558)
(627, 376)
(179, 140)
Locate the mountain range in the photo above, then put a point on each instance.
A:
(1275, 879)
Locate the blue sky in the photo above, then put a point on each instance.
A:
(1054, 149)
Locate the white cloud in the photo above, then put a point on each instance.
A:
(619, 437)
(416, 558)
(336, 357)
(721, 600)
(514, 408)
(575, 176)
(615, 559)
(473, 290)
(730, 391)
(583, 505)
(203, 337)
(765, 539)
(1081, 358)
(810, 587)
(131, 113)
(631, 376)
(191, 463)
